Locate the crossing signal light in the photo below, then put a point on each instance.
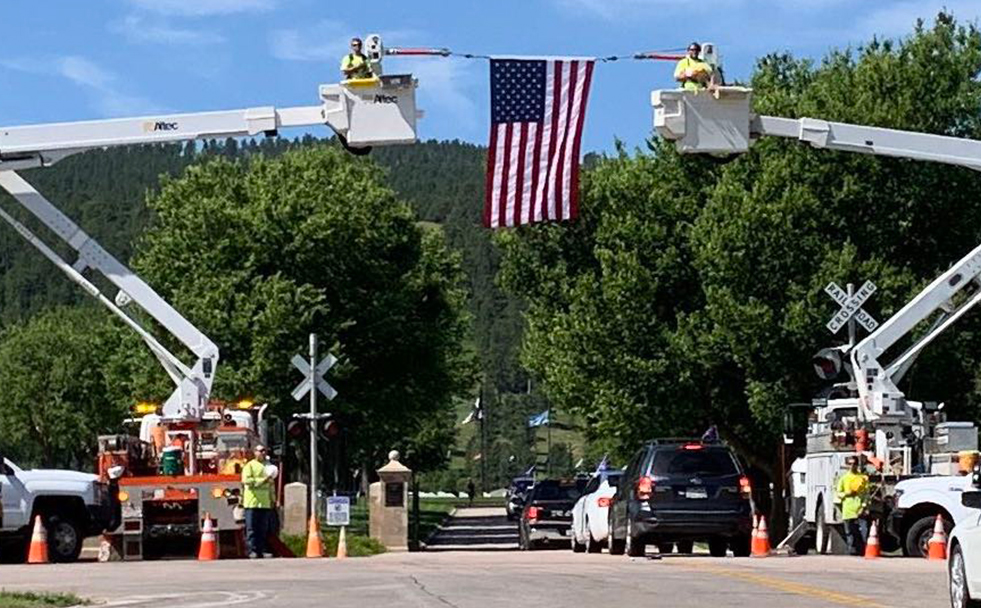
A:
(330, 429)
(828, 364)
(296, 429)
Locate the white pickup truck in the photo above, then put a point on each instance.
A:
(72, 505)
(918, 501)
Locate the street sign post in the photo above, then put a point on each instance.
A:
(313, 383)
(338, 511)
(851, 311)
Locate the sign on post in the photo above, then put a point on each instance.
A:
(851, 307)
(338, 511)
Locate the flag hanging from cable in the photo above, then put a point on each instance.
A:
(538, 107)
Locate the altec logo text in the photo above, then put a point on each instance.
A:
(150, 127)
(386, 99)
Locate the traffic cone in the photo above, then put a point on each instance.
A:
(761, 548)
(209, 545)
(38, 553)
(314, 547)
(938, 542)
(342, 543)
(872, 549)
(755, 544)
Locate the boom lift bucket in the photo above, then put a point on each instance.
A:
(714, 121)
(372, 111)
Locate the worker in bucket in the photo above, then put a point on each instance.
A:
(257, 500)
(852, 492)
(355, 64)
(693, 73)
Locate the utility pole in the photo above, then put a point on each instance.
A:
(313, 429)
(483, 441)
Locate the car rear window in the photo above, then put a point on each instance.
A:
(546, 490)
(613, 479)
(693, 462)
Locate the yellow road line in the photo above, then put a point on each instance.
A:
(786, 586)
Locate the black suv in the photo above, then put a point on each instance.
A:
(547, 515)
(677, 491)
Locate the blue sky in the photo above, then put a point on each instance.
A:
(64, 60)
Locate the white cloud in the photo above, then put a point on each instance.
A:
(894, 19)
(202, 8)
(137, 29)
(107, 98)
(326, 41)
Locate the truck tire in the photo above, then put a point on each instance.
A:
(718, 547)
(960, 596)
(821, 531)
(918, 535)
(636, 547)
(65, 538)
(614, 545)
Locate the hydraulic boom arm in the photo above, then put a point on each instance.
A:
(721, 122)
(375, 111)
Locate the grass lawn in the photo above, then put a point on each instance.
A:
(10, 599)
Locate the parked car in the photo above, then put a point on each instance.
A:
(547, 516)
(73, 506)
(676, 492)
(590, 515)
(514, 500)
(964, 555)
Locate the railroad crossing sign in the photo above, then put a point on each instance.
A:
(316, 377)
(851, 311)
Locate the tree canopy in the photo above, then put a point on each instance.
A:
(690, 292)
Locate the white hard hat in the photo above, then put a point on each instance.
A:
(272, 471)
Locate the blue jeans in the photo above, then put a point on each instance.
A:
(855, 531)
(257, 524)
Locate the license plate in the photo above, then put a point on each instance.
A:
(696, 493)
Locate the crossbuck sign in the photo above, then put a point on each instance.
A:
(851, 307)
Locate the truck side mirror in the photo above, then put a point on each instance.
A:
(971, 499)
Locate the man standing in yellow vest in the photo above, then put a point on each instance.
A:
(257, 499)
(693, 73)
(852, 491)
(355, 64)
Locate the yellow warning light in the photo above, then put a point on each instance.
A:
(145, 407)
(244, 404)
(218, 492)
(123, 496)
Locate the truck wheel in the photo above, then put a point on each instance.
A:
(918, 536)
(614, 545)
(717, 547)
(741, 546)
(636, 547)
(821, 531)
(685, 546)
(667, 548)
(64, 538)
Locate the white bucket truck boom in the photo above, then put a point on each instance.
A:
(211, 436)
(905, 437)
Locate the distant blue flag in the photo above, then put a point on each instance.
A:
(538, 419)
(603, 464)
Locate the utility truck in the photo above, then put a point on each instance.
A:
(180, 461)
(867, 414)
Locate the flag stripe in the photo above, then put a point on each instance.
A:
(537, 113)
(580, 119)
(519, 154)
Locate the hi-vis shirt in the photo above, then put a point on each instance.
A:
(694, 65)
(257, 487)
(359, 63)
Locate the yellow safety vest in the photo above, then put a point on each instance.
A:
(853, 492)
(694, 65)
(358, 63)
(257, 489)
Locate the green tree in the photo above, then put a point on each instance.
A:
(258, 254)
(54, 401)
(690, 291)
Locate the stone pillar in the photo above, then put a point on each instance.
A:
(295, 509)
(388, 506)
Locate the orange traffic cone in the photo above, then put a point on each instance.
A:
(938, 542)
(38, 553)
(209, 545)
(755, 544)
(761, 546)
(872, 550)
(342, 543)
(314, 547)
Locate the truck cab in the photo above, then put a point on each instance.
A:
(72, 505)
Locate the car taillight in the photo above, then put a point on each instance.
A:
(745, 487)
(692, 446)
(603, 502)
(645, 488)
(532, 513)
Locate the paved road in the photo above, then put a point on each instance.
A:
(479, 579)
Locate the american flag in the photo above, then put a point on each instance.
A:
(538, 107)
